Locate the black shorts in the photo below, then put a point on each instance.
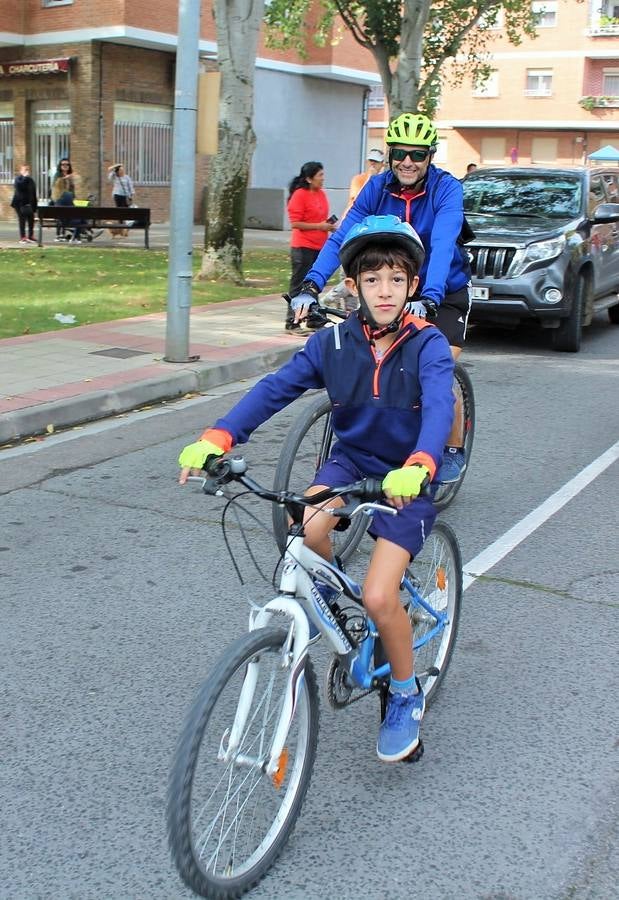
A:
(453, 315)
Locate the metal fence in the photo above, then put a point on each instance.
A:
(6, 151)
(145, 150)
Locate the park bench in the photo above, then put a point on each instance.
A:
(93, 217)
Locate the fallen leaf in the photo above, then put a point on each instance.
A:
(50, 429)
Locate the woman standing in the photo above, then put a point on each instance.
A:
(25, 204)
(122, 192)
(308, 211)
(122, 186)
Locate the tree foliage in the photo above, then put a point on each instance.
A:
(410, 40)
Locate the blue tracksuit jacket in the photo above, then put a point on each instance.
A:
(384, 410)
(436, 214)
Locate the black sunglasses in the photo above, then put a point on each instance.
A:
(399, 154)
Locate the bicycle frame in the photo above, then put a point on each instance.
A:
(299, 600)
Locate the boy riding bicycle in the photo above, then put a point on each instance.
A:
(389, 377)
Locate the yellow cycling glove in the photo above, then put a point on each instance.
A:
(214, 442)
(406, 482)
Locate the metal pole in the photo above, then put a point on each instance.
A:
(180, 271)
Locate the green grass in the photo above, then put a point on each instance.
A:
(102, 285)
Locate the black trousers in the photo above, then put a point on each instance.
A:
(23, 221)
(302, 260)
(121, 200)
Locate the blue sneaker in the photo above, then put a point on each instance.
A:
(452, 467)
(399, 734)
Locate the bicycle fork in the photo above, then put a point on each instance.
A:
(293, 657)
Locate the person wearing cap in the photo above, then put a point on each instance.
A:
(375, 161)
(389, 377)
(432, 201)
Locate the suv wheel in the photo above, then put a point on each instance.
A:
(566, 337)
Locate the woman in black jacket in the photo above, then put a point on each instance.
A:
(25, 204)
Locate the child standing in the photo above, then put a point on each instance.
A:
(389, 377)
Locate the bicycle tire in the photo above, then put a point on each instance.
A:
(438, 571)
(305, 449)
(446, 493)
(206, 723)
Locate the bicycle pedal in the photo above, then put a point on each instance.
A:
(416, 755)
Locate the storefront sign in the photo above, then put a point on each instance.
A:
(33, 67)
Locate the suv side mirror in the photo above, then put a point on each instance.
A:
(606, 212)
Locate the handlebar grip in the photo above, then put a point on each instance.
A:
(216, 466)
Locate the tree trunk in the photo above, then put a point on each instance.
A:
(238, 26)
(404, 94)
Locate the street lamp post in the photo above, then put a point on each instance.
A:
(180, 271)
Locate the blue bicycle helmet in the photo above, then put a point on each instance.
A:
(389, 230)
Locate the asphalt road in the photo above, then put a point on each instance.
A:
(117, 595)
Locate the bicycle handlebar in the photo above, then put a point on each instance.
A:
(223, 471)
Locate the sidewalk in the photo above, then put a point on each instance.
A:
(63, 378)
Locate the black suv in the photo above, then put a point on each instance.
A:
(546, 247)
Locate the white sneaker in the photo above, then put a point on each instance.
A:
(75, 241)
(23, 240)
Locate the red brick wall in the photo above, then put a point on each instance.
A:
(80, 14)
(12, 16)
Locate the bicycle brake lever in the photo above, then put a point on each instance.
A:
(212, 486)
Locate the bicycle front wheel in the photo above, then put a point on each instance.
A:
(228, 820)
(463, 386)
(436, 574)
(305, 450)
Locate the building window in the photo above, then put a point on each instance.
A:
(544, 150)
(493, 150)
(376, 99)
(489, 87)
(48, 3)
(143, 141)
(610, 83)
(547, 12)
(539, 83)
(6, 143)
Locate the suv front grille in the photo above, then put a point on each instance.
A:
(491, 262)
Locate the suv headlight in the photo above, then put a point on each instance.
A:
(536, 253)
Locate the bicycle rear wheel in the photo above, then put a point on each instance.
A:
(437, 576)
(305, 449)
(445, 493)
(228, 821)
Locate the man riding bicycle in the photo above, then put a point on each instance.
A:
(431, 200)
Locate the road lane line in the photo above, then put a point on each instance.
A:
(496, 551)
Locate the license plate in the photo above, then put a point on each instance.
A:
(480, 293)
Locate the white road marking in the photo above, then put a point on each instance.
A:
(496, 551)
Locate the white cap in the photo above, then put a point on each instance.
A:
(376, 156)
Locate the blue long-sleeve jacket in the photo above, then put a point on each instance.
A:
(384, 410)
(437, 216)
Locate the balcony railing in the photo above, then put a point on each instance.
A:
(604, 102)
(603, 26)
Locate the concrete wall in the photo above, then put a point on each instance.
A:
(266, 207)
(299, 118)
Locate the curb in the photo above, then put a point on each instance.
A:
(31, 421)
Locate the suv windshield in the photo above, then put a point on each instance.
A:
(526, 195)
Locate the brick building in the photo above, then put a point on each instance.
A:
(550, 101)
(96, 81)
